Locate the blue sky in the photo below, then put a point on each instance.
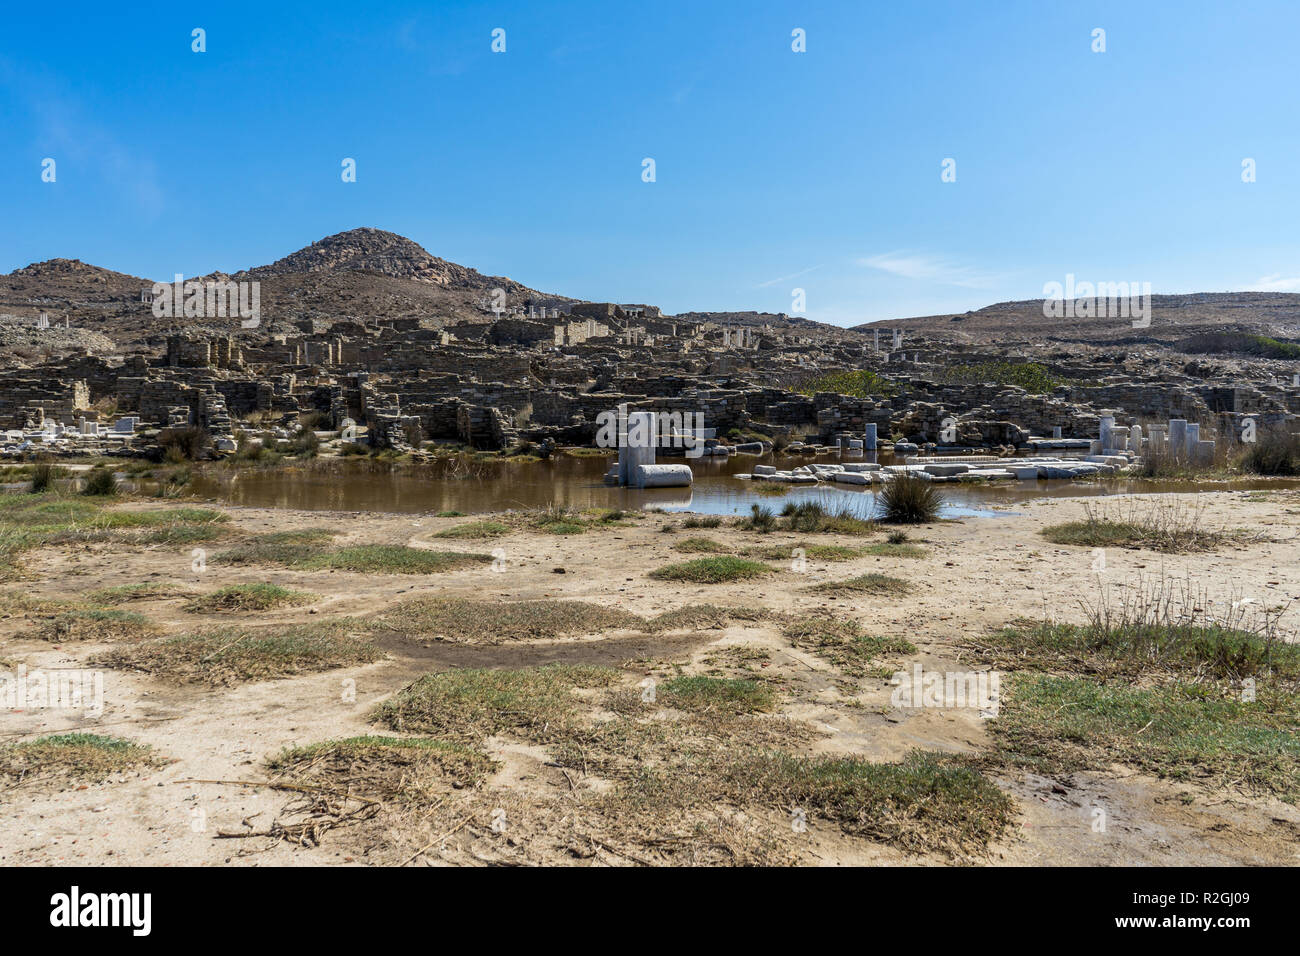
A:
(775, 170)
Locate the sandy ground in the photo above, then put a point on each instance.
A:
(978, 574)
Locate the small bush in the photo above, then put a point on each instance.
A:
(760, 519)
(100, 482)
(43, 478)
(1275, 452)
(186, 443)
(907, 499)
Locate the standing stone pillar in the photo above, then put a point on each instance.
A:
(1056, 431)
(1192, 437)
(877, 332)
(869, 436)
(1135, 439)
(1107, 428)
(636, 445)
(1177, 436)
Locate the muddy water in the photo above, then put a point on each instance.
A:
(334, 485)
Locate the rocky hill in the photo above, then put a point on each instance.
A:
(1173, 318)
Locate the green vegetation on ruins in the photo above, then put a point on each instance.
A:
(861, 383)
(1031, 376)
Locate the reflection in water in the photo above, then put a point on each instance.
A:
(332, 485)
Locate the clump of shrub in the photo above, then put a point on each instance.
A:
(100, 482)
(43, 476)
(184, 443)
(908, 499)
(760, 519)
(1275, 452)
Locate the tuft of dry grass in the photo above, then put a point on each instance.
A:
(1171, 527)
(872, 583)
(494, 622)
(60, 623)
(537, 703)
(842, 642)
(82, 756)
(406, 769)
(249, 597)
(234, 655)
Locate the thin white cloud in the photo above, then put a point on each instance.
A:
(1275, 283)
(793, 275)
(925, 268)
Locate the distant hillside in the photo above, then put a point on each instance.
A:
(1173, 317)
(362, 274)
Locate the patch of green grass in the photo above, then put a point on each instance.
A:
(716, 694)
(811, 516)
(1170, 528)
(235, 655)
(1274, 452)
(773, 488)
(1199, 649)
(279, 547)
(390, 559)
(701, 546)
(494, 622)
(100, 482)
(538, 703)
(927, 801)
(450, 514)
(475, 529)
(1030, 376)
(872, 583)
(305, 551)
(43, 520)
(79, 755)
(714, 570)
(1059, 725)
(249, 597)
(861, 383)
